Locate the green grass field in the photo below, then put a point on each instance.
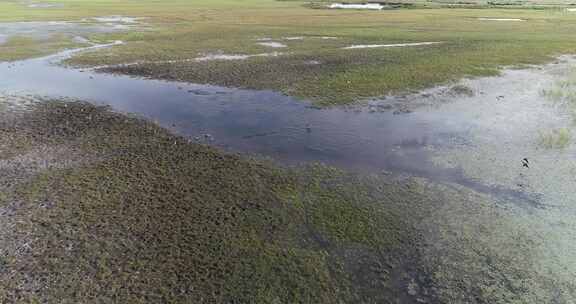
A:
(316, 68)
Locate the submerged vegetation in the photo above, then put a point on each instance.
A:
(556, 139)
(563, 94)
(461, 90)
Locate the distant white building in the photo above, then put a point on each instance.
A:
(372, 6)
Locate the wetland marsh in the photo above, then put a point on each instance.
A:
(285, 152)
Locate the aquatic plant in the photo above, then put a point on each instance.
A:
(555, 139)
(461, 89)
(563, 93)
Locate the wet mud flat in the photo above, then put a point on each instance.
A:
(428, 240)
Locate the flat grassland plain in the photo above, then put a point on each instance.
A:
(102, 207)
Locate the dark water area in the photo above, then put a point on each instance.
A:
(265, 123)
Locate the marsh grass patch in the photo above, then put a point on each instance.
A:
(157, 218)
(563, 93)
(461, 90)
(555, 139)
